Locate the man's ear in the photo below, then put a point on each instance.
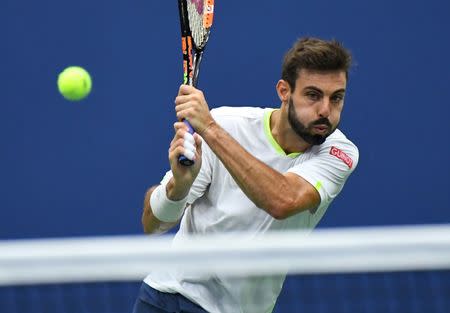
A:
(283, 90)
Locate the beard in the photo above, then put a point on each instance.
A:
(305, 132)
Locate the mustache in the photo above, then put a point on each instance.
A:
(321, 121)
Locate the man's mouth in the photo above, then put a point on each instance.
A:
(321, 129)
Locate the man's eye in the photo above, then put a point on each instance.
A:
(313, 96)
(337, 98)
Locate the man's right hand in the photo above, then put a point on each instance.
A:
(183, 176)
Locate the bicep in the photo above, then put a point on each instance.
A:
(304, 195)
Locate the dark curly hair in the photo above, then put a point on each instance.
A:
(315, 54)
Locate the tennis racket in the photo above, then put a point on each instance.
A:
(196, 18)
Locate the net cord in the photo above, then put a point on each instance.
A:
(129, 258)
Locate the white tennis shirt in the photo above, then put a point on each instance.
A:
(218, 205)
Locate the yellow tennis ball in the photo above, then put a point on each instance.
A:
(74, 83)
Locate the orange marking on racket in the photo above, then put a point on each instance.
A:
(183, 45)
(189, 51)
(208, 13)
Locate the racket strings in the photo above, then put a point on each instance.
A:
(200, 20)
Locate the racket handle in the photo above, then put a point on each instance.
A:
(182, 159)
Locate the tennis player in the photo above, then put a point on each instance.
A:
(256, 170)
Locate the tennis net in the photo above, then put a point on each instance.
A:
(382, 269)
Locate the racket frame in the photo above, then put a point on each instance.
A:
(192, 57)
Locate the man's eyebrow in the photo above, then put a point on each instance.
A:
(342, 90)
(339, 91)
(313, 88)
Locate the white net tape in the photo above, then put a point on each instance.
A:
(132, 257)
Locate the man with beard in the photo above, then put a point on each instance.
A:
(255, 170)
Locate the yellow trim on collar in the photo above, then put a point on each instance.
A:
(272, 140)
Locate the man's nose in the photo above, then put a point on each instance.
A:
(324, 108)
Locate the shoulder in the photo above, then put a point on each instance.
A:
(237, 112)
(339, 138)
(339, 146)
(239, 118)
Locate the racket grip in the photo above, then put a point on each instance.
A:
(182, 159)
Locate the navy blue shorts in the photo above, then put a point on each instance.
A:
(151, 300)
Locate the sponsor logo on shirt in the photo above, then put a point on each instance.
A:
(342, 156)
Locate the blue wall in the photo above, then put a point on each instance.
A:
(72, 169)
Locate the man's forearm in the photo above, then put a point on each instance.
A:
(150, 223)
(266, 187)
(176, 191)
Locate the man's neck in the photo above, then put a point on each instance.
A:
(282, 132)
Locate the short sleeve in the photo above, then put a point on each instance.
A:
(203, 179)
(328, 168)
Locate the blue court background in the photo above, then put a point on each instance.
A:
(75, 169)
